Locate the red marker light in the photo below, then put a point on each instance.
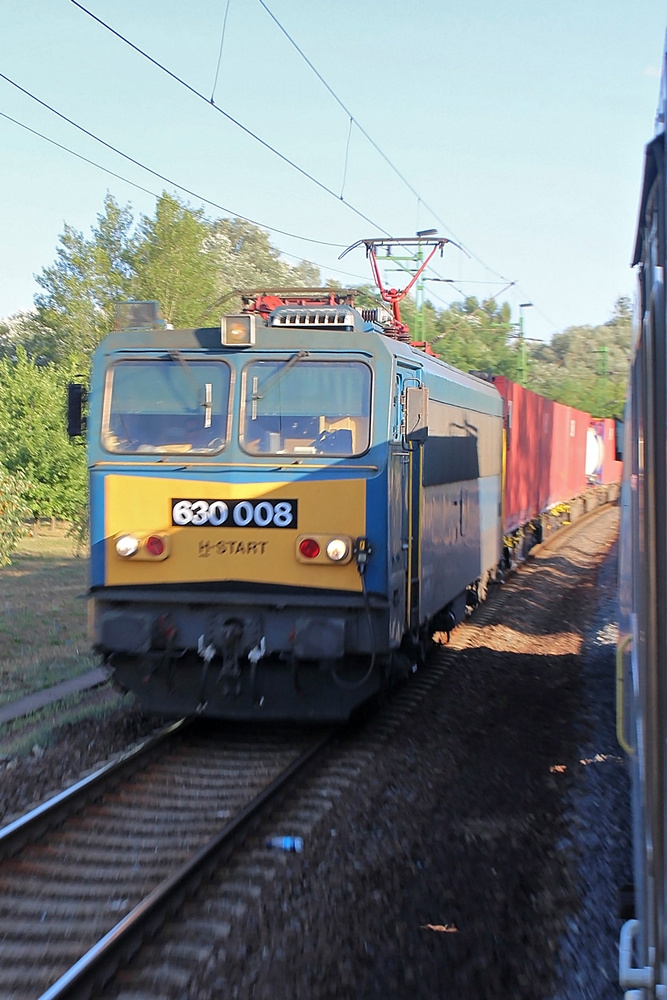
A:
(154, 545)
(309, 548)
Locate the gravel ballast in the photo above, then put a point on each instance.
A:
(481, 854)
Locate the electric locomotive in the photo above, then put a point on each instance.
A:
(642, 647)
(284, 507)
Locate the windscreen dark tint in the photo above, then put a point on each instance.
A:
(169, 406)
(302, 407)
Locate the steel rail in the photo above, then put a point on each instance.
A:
(54, 811)
(119, 944)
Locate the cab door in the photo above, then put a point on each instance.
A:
(409, 378)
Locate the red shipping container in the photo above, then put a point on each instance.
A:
(545, 453)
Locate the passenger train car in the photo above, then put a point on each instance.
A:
(642, 647)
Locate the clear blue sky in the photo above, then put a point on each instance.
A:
(520, 125)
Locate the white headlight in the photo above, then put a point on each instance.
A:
(127, 545)
(337, 549)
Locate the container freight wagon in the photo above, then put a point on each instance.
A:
(545, 454)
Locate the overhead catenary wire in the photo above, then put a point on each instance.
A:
(541, 313)
(222, 42)
(150, 170)
(154, 194)
(275, 151)
(371, 140)
(454, 282)
(347, 156)
(79, 156)
(253, 135)
(388, 161)
(234, 121)
(380, 151)
(126, 180)
(244, 128)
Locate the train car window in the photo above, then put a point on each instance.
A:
(168, 406)
(303, 407)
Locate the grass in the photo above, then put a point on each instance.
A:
(43, 637)
(19, 737)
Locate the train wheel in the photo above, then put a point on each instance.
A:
(418, 646)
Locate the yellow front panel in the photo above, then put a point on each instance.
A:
(141, 505)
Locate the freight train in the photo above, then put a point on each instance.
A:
(286, 507)
(642, 646)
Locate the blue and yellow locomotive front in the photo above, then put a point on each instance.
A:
(276, 522)
(230, 507)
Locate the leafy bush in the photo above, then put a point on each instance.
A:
(14, 512)
(33, 437)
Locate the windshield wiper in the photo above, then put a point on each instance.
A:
(208, 386)
(275, 378)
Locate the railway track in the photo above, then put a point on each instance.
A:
(215, 928)
(90, 873)
(185, 815)
(42, 939)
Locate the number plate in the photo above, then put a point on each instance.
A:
(234, 513)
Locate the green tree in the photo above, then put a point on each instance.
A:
(586, 366)
(245, 258)
(172, 263)
(14, 513)
(75, 308)
(25, 329)
(33, 438)
(6, 344)
(188, 263)
(477, 336)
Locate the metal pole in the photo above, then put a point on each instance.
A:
(603, 379)
(419, 296)
(522, 367)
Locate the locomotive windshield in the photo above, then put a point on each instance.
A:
(303, 407)
(169, 405)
